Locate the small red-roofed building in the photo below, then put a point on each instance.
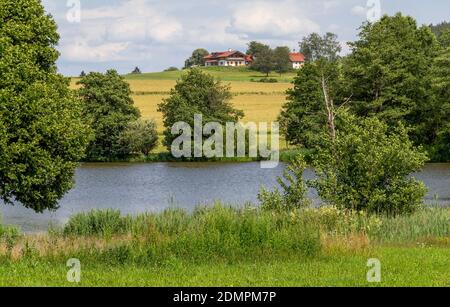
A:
(297, 59)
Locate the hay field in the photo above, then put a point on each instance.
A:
(261, 102)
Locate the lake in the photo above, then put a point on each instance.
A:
(137, 188)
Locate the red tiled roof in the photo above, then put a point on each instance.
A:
(222, 55)
(296, 57)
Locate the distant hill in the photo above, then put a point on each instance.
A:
(221, 73)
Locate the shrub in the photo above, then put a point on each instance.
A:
(139, 137)
(266, 80)
(9, 235)
(368, 168)
(172, 69)
(293, 186)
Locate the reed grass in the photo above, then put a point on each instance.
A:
(222, 233)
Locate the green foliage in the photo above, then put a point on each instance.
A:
(109, 109)
(139, 137)
(444, 38)
(388, 74)
(368, 169)
(264, 61)
(95, 222)
(303, 118)
(197, 58)
(9, 236)
(425, 225)
(197, 93)
(294, 189)
(440, 28)
(266, 80)
(255, 48)
(207, 233)
(282, 62)
(315, 47)
(439, 119)
(172, 68)
(42, 135)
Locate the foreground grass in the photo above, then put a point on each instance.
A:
(400, 267)
(222, 246)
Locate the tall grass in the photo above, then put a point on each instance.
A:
(428, 223)
(226, 234)
(207, 233)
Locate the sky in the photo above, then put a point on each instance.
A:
(97, 35)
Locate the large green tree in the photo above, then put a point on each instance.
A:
(388, 74)
(42, 135)
(264, 62)
(197, 58)
(315, 47)
(282, 62)
(109, 109)
(255, 48)
(311, 104)
(440, 149)
(197, 93)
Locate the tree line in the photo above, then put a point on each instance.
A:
(397, 72)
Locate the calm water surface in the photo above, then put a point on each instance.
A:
(137, 188)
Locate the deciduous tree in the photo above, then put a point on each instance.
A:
(42, 134)
(109, 109)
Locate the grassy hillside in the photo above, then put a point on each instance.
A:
(222, 73)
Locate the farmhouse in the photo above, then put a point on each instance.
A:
(228, 58)
(297, 59)
(237, 58)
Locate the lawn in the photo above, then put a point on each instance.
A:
(400, 267)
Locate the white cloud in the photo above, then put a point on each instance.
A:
(271, 19)
(134, 20)
(82, 52)
(359, 10)
(107, 33)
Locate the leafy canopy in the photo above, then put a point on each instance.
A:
(315, 47)
(42, 135)
(303, 118)
(368, 168)
(388, 73)
(197, 58)
(109, 109)
(197, 93)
